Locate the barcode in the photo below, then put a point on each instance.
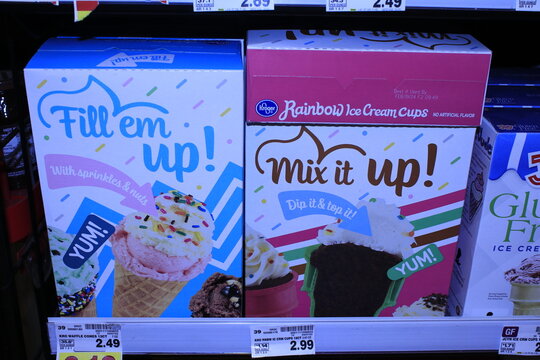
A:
(66, 343)
(297, 328)
(107, 327)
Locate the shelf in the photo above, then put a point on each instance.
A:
(332, 335)
(430, 4)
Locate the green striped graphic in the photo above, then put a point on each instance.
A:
(437, 219)
(297, 253)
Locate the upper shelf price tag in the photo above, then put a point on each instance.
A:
(364, 5)
(527, 5)
(80, 340)
(280, 340)
(232, 5)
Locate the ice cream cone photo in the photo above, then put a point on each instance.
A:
(156, 256)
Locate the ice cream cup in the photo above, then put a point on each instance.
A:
(277, 301)
(310, 279)
(526, 298)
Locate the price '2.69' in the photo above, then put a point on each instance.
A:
(256, 3)
(387, 3)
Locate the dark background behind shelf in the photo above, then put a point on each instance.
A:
(512, 36)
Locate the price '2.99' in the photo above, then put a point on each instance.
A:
(302, 345)
(387, 3)
(256, 3)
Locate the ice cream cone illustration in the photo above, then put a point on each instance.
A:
(270, 283)
(525, 286)
(75, 288)
(476, 194)
(156, 256)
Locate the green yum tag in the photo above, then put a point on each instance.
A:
(428, 256)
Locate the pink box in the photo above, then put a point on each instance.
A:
(368, 77)
(355, 213)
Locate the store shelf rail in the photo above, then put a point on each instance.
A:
(332, 335)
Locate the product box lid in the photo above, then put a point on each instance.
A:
(513, 96)
(514, 120)
(349, 40)
(363, 77)
(142, 53)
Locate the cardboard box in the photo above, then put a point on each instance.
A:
(368, 77)
(496, 270)
(343, 218)
(139, 145)
(513, 88)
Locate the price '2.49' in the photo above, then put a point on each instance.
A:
(302, 345)
(111, 343)
(387, 3)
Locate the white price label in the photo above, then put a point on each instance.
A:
(282, 340)
(520, 340)
(232, 5)
(365, 5)
(88, 338)
(527, 5)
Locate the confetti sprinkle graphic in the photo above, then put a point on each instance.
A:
(309, 42)
(100, 147)
(40, 85)
(128, 81)
(59, 217)
(443, 186)
(417, 137)
(258, 189)
(333, 134)
(260, 132)
(225, 112)
(129, 160)
(448, 138)
(276, 226)
(181, 83)
(389, 146)
(153, 90)
(64, 198)
(455, 160)
(221, 84)
(259, 218)
(198, 104)
(363, 196)
(46, 137)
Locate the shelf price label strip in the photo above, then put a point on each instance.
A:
(232, 5)
(88, 342)
(520, 340)
(282, 340)
(528, 5)
(364, 5)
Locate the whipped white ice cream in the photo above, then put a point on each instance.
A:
(432, 305)
(390, 232)
(263, 262)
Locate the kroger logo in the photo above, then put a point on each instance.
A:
(266, 108)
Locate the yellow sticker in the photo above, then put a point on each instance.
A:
(90, 355)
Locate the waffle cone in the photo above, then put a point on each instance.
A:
(88, 311)
(136, 296)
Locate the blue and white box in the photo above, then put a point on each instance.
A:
(140, 154)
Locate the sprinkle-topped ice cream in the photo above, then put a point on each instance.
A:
(390, 232)
(74, 287)
(263, 262)
(431, 305)
(528, 272)
(175, 245)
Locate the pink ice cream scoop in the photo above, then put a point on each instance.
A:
(174, 246)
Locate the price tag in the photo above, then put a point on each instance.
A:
(282, 340)
(520, 340)
(232, 5)
(88, 341)
(527, 5)
(364, 5)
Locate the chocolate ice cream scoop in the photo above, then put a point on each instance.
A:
(220, 296)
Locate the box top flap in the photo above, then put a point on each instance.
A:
(348, 40)
(142, 53)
